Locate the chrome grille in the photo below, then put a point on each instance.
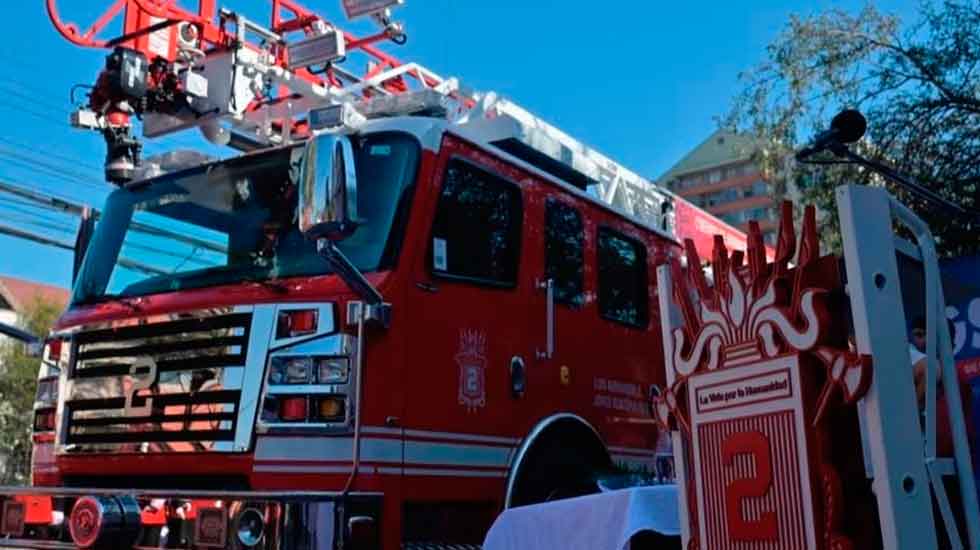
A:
(188, 401)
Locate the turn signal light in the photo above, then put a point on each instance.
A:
(329, 408)
(294, 409)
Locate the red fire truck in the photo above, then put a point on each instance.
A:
(405, 307)
(408, 306)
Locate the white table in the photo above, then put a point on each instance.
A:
(604, 521)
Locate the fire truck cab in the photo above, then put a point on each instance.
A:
(211, 347)
(406, 307)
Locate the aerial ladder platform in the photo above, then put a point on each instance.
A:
(248, 86)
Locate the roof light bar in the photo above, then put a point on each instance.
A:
(360, 8)
(425, 102)
(335, 117)
(321, 48)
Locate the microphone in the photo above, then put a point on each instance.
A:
(847, 127)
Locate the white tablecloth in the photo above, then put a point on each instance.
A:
(603, 521)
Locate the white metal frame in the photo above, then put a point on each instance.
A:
(905, 467)
(669, 320)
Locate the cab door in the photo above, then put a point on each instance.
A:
(471, 305)
(557, 378)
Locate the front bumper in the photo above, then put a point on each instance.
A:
(66, 518)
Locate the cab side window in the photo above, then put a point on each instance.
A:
(476, 235)
(564, 257)
(623, 293)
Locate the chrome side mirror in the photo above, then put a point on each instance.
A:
(328, 189)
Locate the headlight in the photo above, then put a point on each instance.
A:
(333, 370)
(297, 390)
(291, 370)
(47, 390)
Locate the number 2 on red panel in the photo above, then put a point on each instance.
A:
(755, 444)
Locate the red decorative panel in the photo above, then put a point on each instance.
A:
(750, 455)
(765, 487)
(757, 368)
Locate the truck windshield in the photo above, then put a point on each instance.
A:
(236, 221)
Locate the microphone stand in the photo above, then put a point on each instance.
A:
(841, 150)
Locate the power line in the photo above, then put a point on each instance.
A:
(69, 207)
(41, 224)
(12, 89)
(69, 169)
(47, 241)
(20, 204)
(40, 239)
(46, 222)
(47, 200)
(72, 160)
(175, 140)
(37, 217)
(26, 194)
(29, 163)
(39, 115)
(17, 60)
(37, 170)
(168, 253)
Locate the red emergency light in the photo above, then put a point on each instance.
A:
(54, 350)
(296, 322)
(293, 409)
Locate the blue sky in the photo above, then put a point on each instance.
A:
(640, 80)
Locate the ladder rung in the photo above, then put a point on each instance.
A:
(944, 466)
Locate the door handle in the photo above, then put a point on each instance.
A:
(548, 285)
(518, 377)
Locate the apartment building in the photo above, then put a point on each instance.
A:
(720, 176)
